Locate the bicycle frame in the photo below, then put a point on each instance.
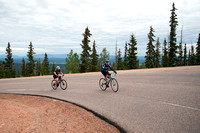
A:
(109, 77)
(60, 77)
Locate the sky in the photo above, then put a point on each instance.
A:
(56, 26)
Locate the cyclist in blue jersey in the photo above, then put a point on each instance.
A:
(104, 70)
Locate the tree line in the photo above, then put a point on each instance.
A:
(31, 67)
(172, 54)
(90, 61)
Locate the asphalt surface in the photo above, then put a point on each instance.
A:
(151, 100)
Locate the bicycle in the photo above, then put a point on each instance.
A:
(60, 81)
(112, 81)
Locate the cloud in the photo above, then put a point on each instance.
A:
(49, 23)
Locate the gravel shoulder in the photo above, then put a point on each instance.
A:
(22, 113)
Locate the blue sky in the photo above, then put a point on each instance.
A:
(56, 26)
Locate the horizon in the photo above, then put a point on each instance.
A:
(51, 55)
(58, 59)
(25, 50)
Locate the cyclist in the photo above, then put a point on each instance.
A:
(56, 73)
(104, 70)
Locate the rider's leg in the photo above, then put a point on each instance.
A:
(106, 78)
(105, 75)
(56, 80)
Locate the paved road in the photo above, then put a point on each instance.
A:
(151, 100)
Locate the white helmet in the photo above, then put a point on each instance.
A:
(58, 67)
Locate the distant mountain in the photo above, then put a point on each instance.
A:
(41, 56)
(57, 58)
(141, 59)
(2, 57)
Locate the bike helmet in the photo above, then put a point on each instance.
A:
(58, 67)
(107, 61)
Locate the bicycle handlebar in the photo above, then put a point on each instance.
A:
(59, 75)
(113, 73)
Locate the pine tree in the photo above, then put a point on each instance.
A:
(132, 54)
(18, 73)
(72, 62)
(119, 61)
(94, 59)
(10, 72)
(173, 47)
(115, 63)
(180, 56)
(31, 62)
(185, 56)
(157, 54)
(26, 69)
(2, 74)
(85, 56)
(53, 68)
(23, 68)
(165, 59)
(45, 65)
(38, 68)
(125, 66)
(192, 55)
(143, 65)
(76, 68)
(180, 52)
(149, 62)
(189, 58)
(198, 51)
(104, 55)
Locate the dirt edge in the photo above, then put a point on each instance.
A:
(121, 129)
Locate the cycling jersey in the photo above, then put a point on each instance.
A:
(57, 72)
(106, 67)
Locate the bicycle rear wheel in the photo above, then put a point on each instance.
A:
(53, 84)
(102, 84)
(114, 85)
(63, 84)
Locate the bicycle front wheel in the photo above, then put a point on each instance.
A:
(114, 85)
(102, 84)
(53, 84)
(63, 84)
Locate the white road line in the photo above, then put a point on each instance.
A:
(17, 90)
(26, 90)
(177, 105)
(17, 83)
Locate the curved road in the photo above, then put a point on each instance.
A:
(149, 100)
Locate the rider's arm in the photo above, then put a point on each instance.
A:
(112, 69)
(61, 73)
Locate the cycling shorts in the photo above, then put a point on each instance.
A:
(105, 73)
